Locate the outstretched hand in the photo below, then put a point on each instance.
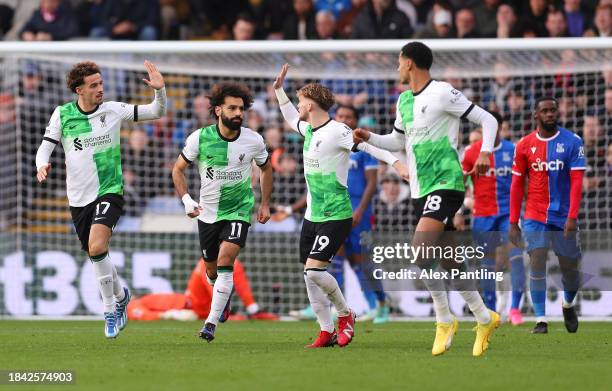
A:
(280, 79)
(156, 79)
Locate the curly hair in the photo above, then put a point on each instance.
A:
(79, 72)
(320, 94)
(236, 90)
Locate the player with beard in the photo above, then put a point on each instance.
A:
(552, 158)
(224, 153)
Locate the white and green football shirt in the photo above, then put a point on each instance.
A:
(225, 171)
(430, 121)
(91, 144)
(327, 152)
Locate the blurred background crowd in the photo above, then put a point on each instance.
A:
(149, 150)
(45, 20)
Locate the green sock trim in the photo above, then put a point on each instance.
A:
(225, 269)
(98, 258)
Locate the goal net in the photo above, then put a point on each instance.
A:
(155, 247)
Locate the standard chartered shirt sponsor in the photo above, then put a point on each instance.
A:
(225, 171)
(91, 144)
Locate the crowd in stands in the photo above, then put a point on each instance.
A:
(56, 20)
(150, 149)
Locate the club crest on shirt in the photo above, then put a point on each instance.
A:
(317, 145)
(103, 120)
(506, 157)
(533, 149)
(560, 148)
(241, 157)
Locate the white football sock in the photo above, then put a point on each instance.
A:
(440, 299)
(502, 294)
(103, 270)
(320, 305)
(117, 288)
(221, 294)
(473, 300)
(329, 286)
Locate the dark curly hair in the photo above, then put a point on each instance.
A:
(319, 93)
(79, 72)
(236, 90)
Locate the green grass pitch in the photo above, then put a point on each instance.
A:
(270, 356)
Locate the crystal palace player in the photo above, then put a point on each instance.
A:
(88, 129)
(552, 158)
(328, 219)
(224, 153)
(427, 125)
(491, 216)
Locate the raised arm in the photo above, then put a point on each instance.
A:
(157, 108)
(290, 114)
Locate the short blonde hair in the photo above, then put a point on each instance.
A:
(320, 94)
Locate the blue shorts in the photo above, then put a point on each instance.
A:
(357, 240)
(541, 235)
(491, 231)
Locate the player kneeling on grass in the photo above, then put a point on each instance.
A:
(195, 302)
(328, 218)
(224, 153)
(89, 130)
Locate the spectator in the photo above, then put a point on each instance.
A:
(505, 131)
(595, 179)
(417, 12)
(53, 21)
(255, 120)
(6, 19)
(567, 115)
(128, 19)
(392, 206)
(506, 20)
(607, 111)
(556, 26)
(518, 112)
(336, 7)
(535, 16)
(465, 24)
(172, 14)
(201, 111)
(244, 28)
(270, 16)
(142, 164)
(442, 25)
(8, 164)
(577, 19)
(301, 23)
(380, 19)
(273, 137)
(496, 92)
(486, 14)
(326, 25)
(344, 25)
(602, 22)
